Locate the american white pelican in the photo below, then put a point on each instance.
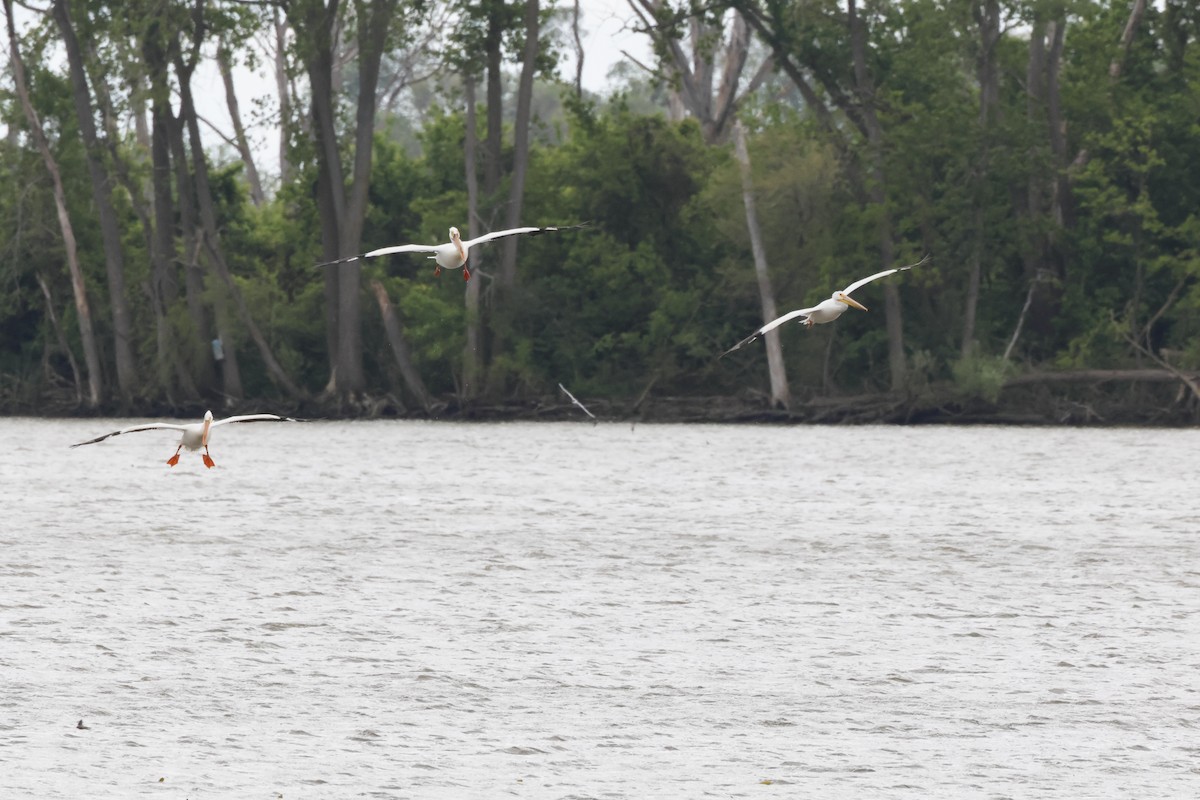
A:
(575, 400)
(826, 310)
(195, 435)
(453, 254)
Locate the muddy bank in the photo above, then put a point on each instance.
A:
(1158, 406)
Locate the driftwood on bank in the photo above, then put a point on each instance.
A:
(1100, 376)
(395, 336)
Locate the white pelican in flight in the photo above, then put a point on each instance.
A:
(826, 310)
(453, 254)
(195, 435)
(575, 400)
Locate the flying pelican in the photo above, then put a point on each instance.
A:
(826, 310)
(453, 254)
(575, 400)
(195, 435)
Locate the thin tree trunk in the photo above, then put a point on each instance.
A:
(578, 51)
(62, 339)
(395, 335)
(163, 288)
(494, 104)
(341, 216)
(865, 89)
(114, 259)
(987, 16)
(285, 96)
(506, 278)
(827, 386)
(211, 236)
(516, 195)
(231, 375)
(974, 281)
(90, 352)
(472, 352)
(239, 132)
(696, 74)
(1012, 343)
(778, 375)
(373, 18)
(314, 22)
(198, 349)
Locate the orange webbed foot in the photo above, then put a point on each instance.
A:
(437, 271)
(208, 462)
(173, 460)
(466, 273)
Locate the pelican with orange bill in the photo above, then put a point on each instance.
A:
(826, 310)
(194, 436)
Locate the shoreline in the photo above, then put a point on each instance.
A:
(1021, 409)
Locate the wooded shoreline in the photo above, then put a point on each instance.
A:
(1100, 398)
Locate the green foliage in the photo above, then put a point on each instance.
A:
(981, 377)
(662, 278)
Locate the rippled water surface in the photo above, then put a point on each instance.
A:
(402, 609)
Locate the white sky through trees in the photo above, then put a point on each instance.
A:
(606, 28)
(606, 31)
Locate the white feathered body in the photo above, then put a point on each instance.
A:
(827, 311)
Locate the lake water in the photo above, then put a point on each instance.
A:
(408, 609)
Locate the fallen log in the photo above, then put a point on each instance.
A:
(1099, 376)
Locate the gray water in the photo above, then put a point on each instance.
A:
(405, 609)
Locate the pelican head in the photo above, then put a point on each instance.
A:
(842, 297)
(208, 419)
(454, 234)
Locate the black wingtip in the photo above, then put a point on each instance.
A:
(738, 346)
(337, 262)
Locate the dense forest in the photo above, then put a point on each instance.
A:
(1044, 153)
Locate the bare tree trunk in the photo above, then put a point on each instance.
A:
(778, 375)
(472, 352)
(285, 96)
(231, 375)
(114, 259)
(211, 236)
(191, 230)
(506, 279)
(987, 16)
(239, 132)
(494, 104)
(1047, 206)
(578, 51)
(373, 18)
(865, 90)
(696, 74)
(342, 216)
(62, 339)
(516, 195)
(1012, 343)
(163, 287)
(90, 352)
(1117, 65)
(313, 21)
(827, 386)
(395, 335)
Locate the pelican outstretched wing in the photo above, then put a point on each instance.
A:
(487, 237)
(575, 400)
(864, 281)
(770, 326)
(254, 418)
(153, 426)
(383, 251)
